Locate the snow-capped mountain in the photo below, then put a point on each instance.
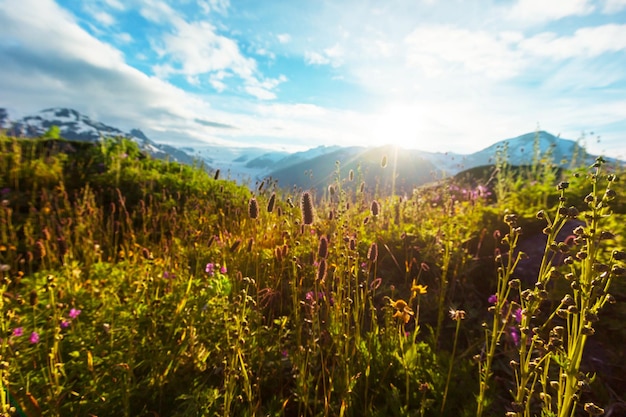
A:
(76, 126)
(310, 168)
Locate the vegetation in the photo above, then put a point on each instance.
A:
(135, 287)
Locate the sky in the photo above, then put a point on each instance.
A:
(435, 75)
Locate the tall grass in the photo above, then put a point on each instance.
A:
(137, 287)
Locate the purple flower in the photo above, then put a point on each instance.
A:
(493, 298)
(18, 331)
(74, 313)
(65, 324)
(34, 338)
(210, 268)
(518, 315)
(515, 335)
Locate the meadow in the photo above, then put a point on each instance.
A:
(138, 287)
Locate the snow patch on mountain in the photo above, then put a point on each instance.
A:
(76, 126)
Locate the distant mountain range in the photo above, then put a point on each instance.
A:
(315, 167)
(76, 126)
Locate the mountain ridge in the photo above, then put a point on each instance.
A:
(314, 166)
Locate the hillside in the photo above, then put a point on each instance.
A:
(314, 167)
(134, 286)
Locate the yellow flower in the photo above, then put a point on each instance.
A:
(399, 304)
(419, 289)
(403, 311)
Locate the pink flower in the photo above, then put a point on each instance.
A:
(34, 338)
(223, 270)
(18, 331)
(210, 268)
(515, 335)
(65, 324)
(493, 298)
(74, 313)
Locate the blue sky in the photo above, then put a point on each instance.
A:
(434, 75)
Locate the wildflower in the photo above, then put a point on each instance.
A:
(493, 298)
(515, 335)
(593, 410)
(419, 289)
(311, 296)
(253, 208)
(372, 253)
(18, 331)
(457, 315)
(517, 314)
(223, 269)
(376, 283)
(375, 208)
(271, 203)
(322, 270)
(34, 338)
(65, 324)
(74, 313)
(306, 205)
(322, 251)
(210, 268)
(403, 311)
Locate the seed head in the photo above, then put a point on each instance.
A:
(253, 208)
(306, 204)
(375, 208)
(593, 410)
(321, 270)
(271, 203)
(322, 250)
(372, 253)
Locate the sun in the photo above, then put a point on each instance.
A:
(399, 125)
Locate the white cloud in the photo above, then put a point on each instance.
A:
(536, 11)
(115, 4)
(440, 50)
(613, 6)
(330, 56)
(259, 92)
(196, 48)
(217, 6)
(157, 11)
(315, 58)
(123, 37)
(104, 18)
(586, 42)
(283, 37)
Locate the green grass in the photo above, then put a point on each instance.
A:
(137, 287)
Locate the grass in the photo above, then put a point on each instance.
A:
(137, 287)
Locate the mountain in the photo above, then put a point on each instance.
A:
(408, 168)
(414, 168)
(79, 127)
(318, 166)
